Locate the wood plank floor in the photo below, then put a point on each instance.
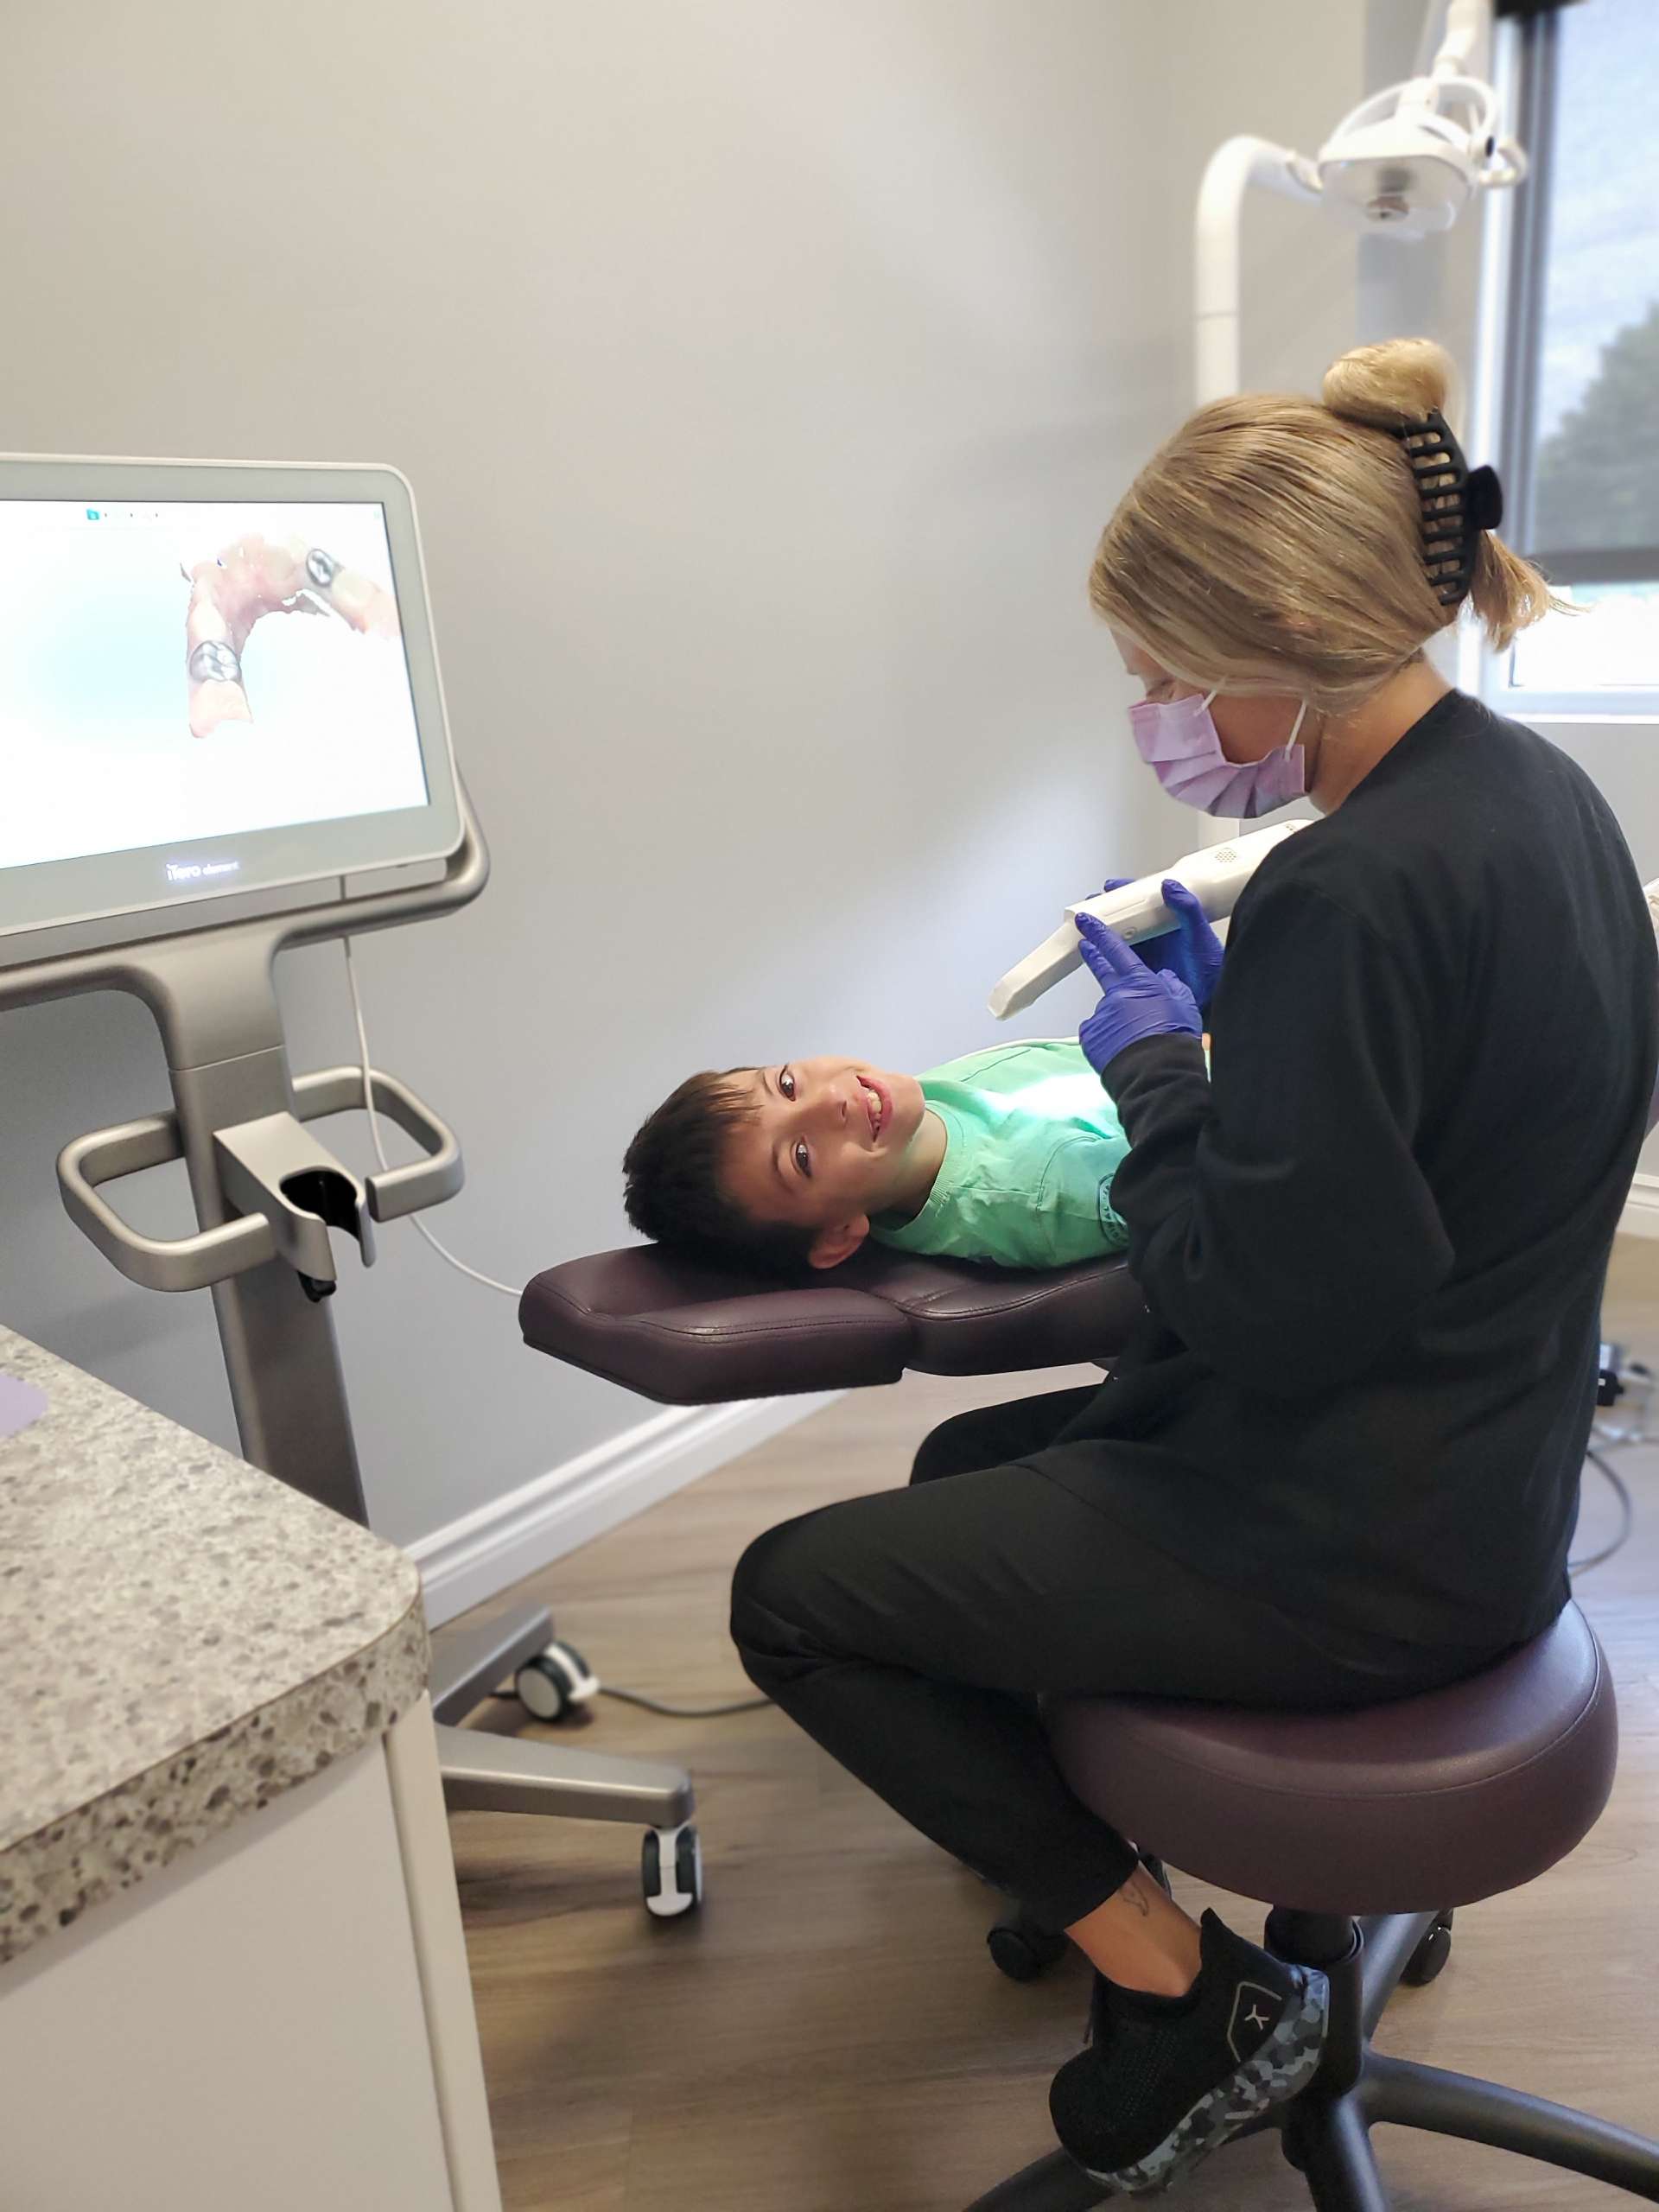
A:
(828, 2036)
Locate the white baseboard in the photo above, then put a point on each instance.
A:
(488, 1550)
(1641, 1214)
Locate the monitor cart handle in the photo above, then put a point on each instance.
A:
(290, 1189)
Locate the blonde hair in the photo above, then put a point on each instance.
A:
(1275, 542)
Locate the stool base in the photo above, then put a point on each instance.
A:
(1326, 2131)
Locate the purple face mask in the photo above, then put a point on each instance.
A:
(1177, 740)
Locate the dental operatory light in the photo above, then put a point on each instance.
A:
(1405, 162)
(1410, 160)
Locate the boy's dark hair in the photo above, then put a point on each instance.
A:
(671, 1175)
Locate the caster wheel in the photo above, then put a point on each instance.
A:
(670, 1869)
(555, 1682)
(1022, 1950)
(1430, 1955)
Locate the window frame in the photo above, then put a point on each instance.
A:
(1514, 234)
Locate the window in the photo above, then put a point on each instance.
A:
(1579, 408)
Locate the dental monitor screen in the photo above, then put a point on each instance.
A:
(214, 680)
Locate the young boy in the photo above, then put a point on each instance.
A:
(1005, 1155)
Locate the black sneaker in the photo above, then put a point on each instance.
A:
(1164, 2082)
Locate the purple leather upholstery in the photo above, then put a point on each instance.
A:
(693, 1335)
(1433, 1801)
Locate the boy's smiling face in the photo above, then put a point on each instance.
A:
(832, 1142)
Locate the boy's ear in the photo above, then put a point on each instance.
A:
(839, 1242)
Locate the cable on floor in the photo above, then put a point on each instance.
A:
(685, 1711)
(1627, 1516)
(656, 1705)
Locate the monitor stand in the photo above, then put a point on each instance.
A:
(267, 1196)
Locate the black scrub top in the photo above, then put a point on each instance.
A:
(1372, 1240)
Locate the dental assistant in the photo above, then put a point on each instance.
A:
(1339, 1461)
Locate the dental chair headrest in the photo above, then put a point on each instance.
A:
(687, 1334)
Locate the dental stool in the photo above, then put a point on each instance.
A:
(1367, 1827)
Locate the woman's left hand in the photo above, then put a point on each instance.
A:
(1136, 1001)
(1192, 950)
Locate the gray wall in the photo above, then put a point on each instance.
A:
(765, 370)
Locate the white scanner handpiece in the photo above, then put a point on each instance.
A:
(1218, 875)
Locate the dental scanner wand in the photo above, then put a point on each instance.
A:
(1216, 875)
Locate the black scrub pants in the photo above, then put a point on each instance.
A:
(910, 1633)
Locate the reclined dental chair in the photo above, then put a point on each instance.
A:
(1364, 1830)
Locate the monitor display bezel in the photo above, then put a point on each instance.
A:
(90, 887)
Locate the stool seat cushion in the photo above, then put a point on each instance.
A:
(691, 1335)
(1431, 1801)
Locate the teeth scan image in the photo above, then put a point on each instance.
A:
(198, 668)
(243, 583)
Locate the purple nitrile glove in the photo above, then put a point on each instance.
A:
(1190, 950)
(1137, 1001)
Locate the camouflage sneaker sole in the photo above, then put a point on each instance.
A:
(1281, 2069)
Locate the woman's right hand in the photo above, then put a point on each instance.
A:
(1192, 952)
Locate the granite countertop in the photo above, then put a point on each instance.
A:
(182, 1639)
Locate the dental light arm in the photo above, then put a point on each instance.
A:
(1216, 875)
(1236, 165)
(1466, 39)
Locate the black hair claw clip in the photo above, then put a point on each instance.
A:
(1458, 502)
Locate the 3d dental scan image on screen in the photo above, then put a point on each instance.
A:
(181, 672)
(829, 1106)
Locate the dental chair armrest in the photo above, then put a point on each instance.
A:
(687, 1334)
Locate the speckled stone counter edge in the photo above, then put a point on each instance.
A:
(49, 1879)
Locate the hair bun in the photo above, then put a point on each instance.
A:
(1401, 379)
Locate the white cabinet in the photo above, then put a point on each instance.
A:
(279, 2021)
